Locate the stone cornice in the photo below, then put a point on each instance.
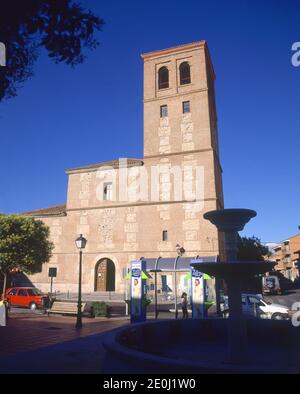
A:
(163, 98)
(186, 153)
(170, 51)
(155, 252)
(178, 153)
(140, 204)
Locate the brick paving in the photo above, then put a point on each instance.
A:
(41, 344)
(30, 332)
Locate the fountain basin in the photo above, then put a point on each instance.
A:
(230, 219)
(200, 346)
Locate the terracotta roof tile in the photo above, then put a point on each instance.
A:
(56, 210)
(111, 163)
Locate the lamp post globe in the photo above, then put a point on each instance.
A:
(80, 243)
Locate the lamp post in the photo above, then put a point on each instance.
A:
(80, 243)
(155, 285)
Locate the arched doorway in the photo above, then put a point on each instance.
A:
(105, 275)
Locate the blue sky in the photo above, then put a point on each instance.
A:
(67, 117)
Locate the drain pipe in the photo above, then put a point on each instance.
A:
(155, 285)
(175, 285)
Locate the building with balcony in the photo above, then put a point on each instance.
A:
(287, 257)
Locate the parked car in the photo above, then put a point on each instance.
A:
(28, 297)
(271, 285)
(256, 306)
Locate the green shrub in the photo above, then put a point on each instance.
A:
(100, 308)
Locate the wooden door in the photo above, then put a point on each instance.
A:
(101, 275)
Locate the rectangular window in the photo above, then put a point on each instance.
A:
(107, 191)
(165, 235)
(163, 111)
(186, 107)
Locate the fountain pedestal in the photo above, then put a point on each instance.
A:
(237, 332)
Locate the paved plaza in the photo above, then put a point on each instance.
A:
(37, 343)
(42, 344)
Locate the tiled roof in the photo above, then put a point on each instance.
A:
(112, 163)
(57, 210)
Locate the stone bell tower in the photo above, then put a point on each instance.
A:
(179, 107)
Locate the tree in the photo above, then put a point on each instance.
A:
(63, 28)
(24, 245)
(251, 249)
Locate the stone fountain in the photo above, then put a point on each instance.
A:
(214, 345)
(230, 221)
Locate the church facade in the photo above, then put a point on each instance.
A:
(133, 208)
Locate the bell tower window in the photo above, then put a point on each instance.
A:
(163, 78)
(185, 73)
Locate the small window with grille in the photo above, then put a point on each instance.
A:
(107, 191)
(163, 111)
(186, 107)
(165, 235)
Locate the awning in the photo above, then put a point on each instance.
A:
(183, 263)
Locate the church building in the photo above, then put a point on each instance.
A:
(150, 206)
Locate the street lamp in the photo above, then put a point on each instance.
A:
(80, 243)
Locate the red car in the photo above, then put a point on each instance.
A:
(28, 297)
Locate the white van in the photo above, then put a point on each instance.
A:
(255, 306)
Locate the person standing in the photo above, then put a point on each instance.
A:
(184, 305)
